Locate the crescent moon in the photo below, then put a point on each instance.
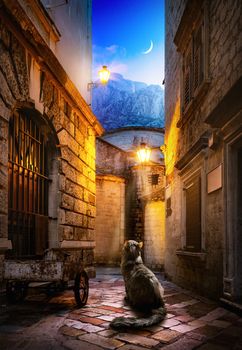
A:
(149, 49)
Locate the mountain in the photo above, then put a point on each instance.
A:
(123, 103)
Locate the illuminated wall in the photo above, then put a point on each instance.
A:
(110, 219)
(74, 49)
(154, 234)
(196, 137)
(36, 84)
(130, 201)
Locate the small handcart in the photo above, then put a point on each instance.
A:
(58, 270)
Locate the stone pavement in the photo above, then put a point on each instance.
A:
(41, 323)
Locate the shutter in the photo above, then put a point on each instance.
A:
(198, 70)
(193, 215)
(187, 88)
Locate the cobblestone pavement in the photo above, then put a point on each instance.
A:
(41, 323)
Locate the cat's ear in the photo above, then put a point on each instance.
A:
(140, 244)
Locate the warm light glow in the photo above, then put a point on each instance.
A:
(172, 139)
(143, 153)
(104, 74)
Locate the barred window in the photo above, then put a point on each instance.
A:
(28, 186)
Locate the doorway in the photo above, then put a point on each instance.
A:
(239, 227)
(233, 233)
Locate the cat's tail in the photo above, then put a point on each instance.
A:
(155, 317)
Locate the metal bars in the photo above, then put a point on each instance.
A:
(28, 186)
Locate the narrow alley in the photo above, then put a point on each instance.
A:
(192, 322)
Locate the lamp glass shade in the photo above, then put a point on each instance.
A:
(143, 153)
(104, 74)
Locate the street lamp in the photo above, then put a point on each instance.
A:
(104, 75)
(143, 153)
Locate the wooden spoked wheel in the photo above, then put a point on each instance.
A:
(81, 288)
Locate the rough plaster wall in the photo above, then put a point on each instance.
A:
(154, 234)
(225, 68)
(109, 220)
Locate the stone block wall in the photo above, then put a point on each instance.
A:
(130, 203)
(224, 70)
(110, 159)
(145, 211)
(224, 60)
(154, 234)
(110, 219)
(32, 79)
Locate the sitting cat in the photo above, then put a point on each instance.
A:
(143, 290)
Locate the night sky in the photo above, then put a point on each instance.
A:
(122, 31)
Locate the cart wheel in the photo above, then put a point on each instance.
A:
(81, 288)
(16, 291)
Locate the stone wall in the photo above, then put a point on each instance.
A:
(110, 219)
(183, 155)
(154, 234)
(32, 79)
(129, 205)
(145, 211)
(110, 159)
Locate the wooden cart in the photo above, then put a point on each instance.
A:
(58, 270)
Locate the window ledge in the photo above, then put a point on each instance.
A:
(197, 255)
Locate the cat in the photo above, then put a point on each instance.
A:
(143, 290)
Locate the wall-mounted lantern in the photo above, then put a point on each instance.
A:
(143, 153)
(104, 75)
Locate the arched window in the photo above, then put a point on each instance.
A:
(28, 186)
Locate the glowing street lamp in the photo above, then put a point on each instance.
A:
(143, 153)
(104, 75)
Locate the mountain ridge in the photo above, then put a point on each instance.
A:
(123, 103)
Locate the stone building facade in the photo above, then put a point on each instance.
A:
(47, 142)
(145, 211)
(111, 167)
(203, 146)
(130, 196)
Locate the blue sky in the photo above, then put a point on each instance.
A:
(122, 31)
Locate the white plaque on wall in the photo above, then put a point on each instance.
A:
(214, 179)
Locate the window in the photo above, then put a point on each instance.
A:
(67, 109)
(193, 214)
(28, 186)
(153, 179)
(168, 207)
(193, 66)
(191, 40)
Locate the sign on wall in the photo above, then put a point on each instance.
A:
(214, 179)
